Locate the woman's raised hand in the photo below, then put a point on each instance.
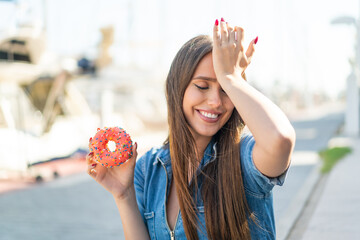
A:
(229, 57)
(117, 180)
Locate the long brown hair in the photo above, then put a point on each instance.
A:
(226, 209)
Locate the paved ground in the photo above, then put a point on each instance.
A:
(73, 207)
(299, 227)
(336, 208)
(313, 135)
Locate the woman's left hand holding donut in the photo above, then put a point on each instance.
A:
(229, 57)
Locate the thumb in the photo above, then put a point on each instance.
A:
(251, 49)
(132, 160)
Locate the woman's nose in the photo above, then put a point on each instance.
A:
(214, 99)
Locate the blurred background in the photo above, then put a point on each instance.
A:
(69, 67)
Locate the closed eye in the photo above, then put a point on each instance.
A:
(202, 88)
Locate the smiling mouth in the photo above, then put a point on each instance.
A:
(209, 115)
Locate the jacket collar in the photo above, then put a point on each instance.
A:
(209, 155)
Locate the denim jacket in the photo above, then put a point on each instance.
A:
(153, 174)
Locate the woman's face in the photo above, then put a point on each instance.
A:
(206, 106)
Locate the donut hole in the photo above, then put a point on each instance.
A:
(111, 145)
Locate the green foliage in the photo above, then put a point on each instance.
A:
(331, 156)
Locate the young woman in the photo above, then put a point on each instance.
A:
(209, 180)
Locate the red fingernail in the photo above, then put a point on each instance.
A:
(222, 19)
(256, 39)
(91, 153)
(216, 22)
(93, 165)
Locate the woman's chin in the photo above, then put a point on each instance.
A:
(207, 133)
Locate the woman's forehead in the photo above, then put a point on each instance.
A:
(205, 68)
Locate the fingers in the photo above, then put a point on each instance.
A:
(216, 33)
(232, 34)
(251, 49)
(224, 34)
(240, 36)
(92, 170)
(91, 163)
(90, 158)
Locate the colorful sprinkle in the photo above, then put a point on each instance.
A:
(123, 146)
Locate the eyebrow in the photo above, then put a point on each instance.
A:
(205, 78)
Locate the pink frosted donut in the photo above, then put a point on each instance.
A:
(121, 142)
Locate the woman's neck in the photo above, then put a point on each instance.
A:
(201, 144)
